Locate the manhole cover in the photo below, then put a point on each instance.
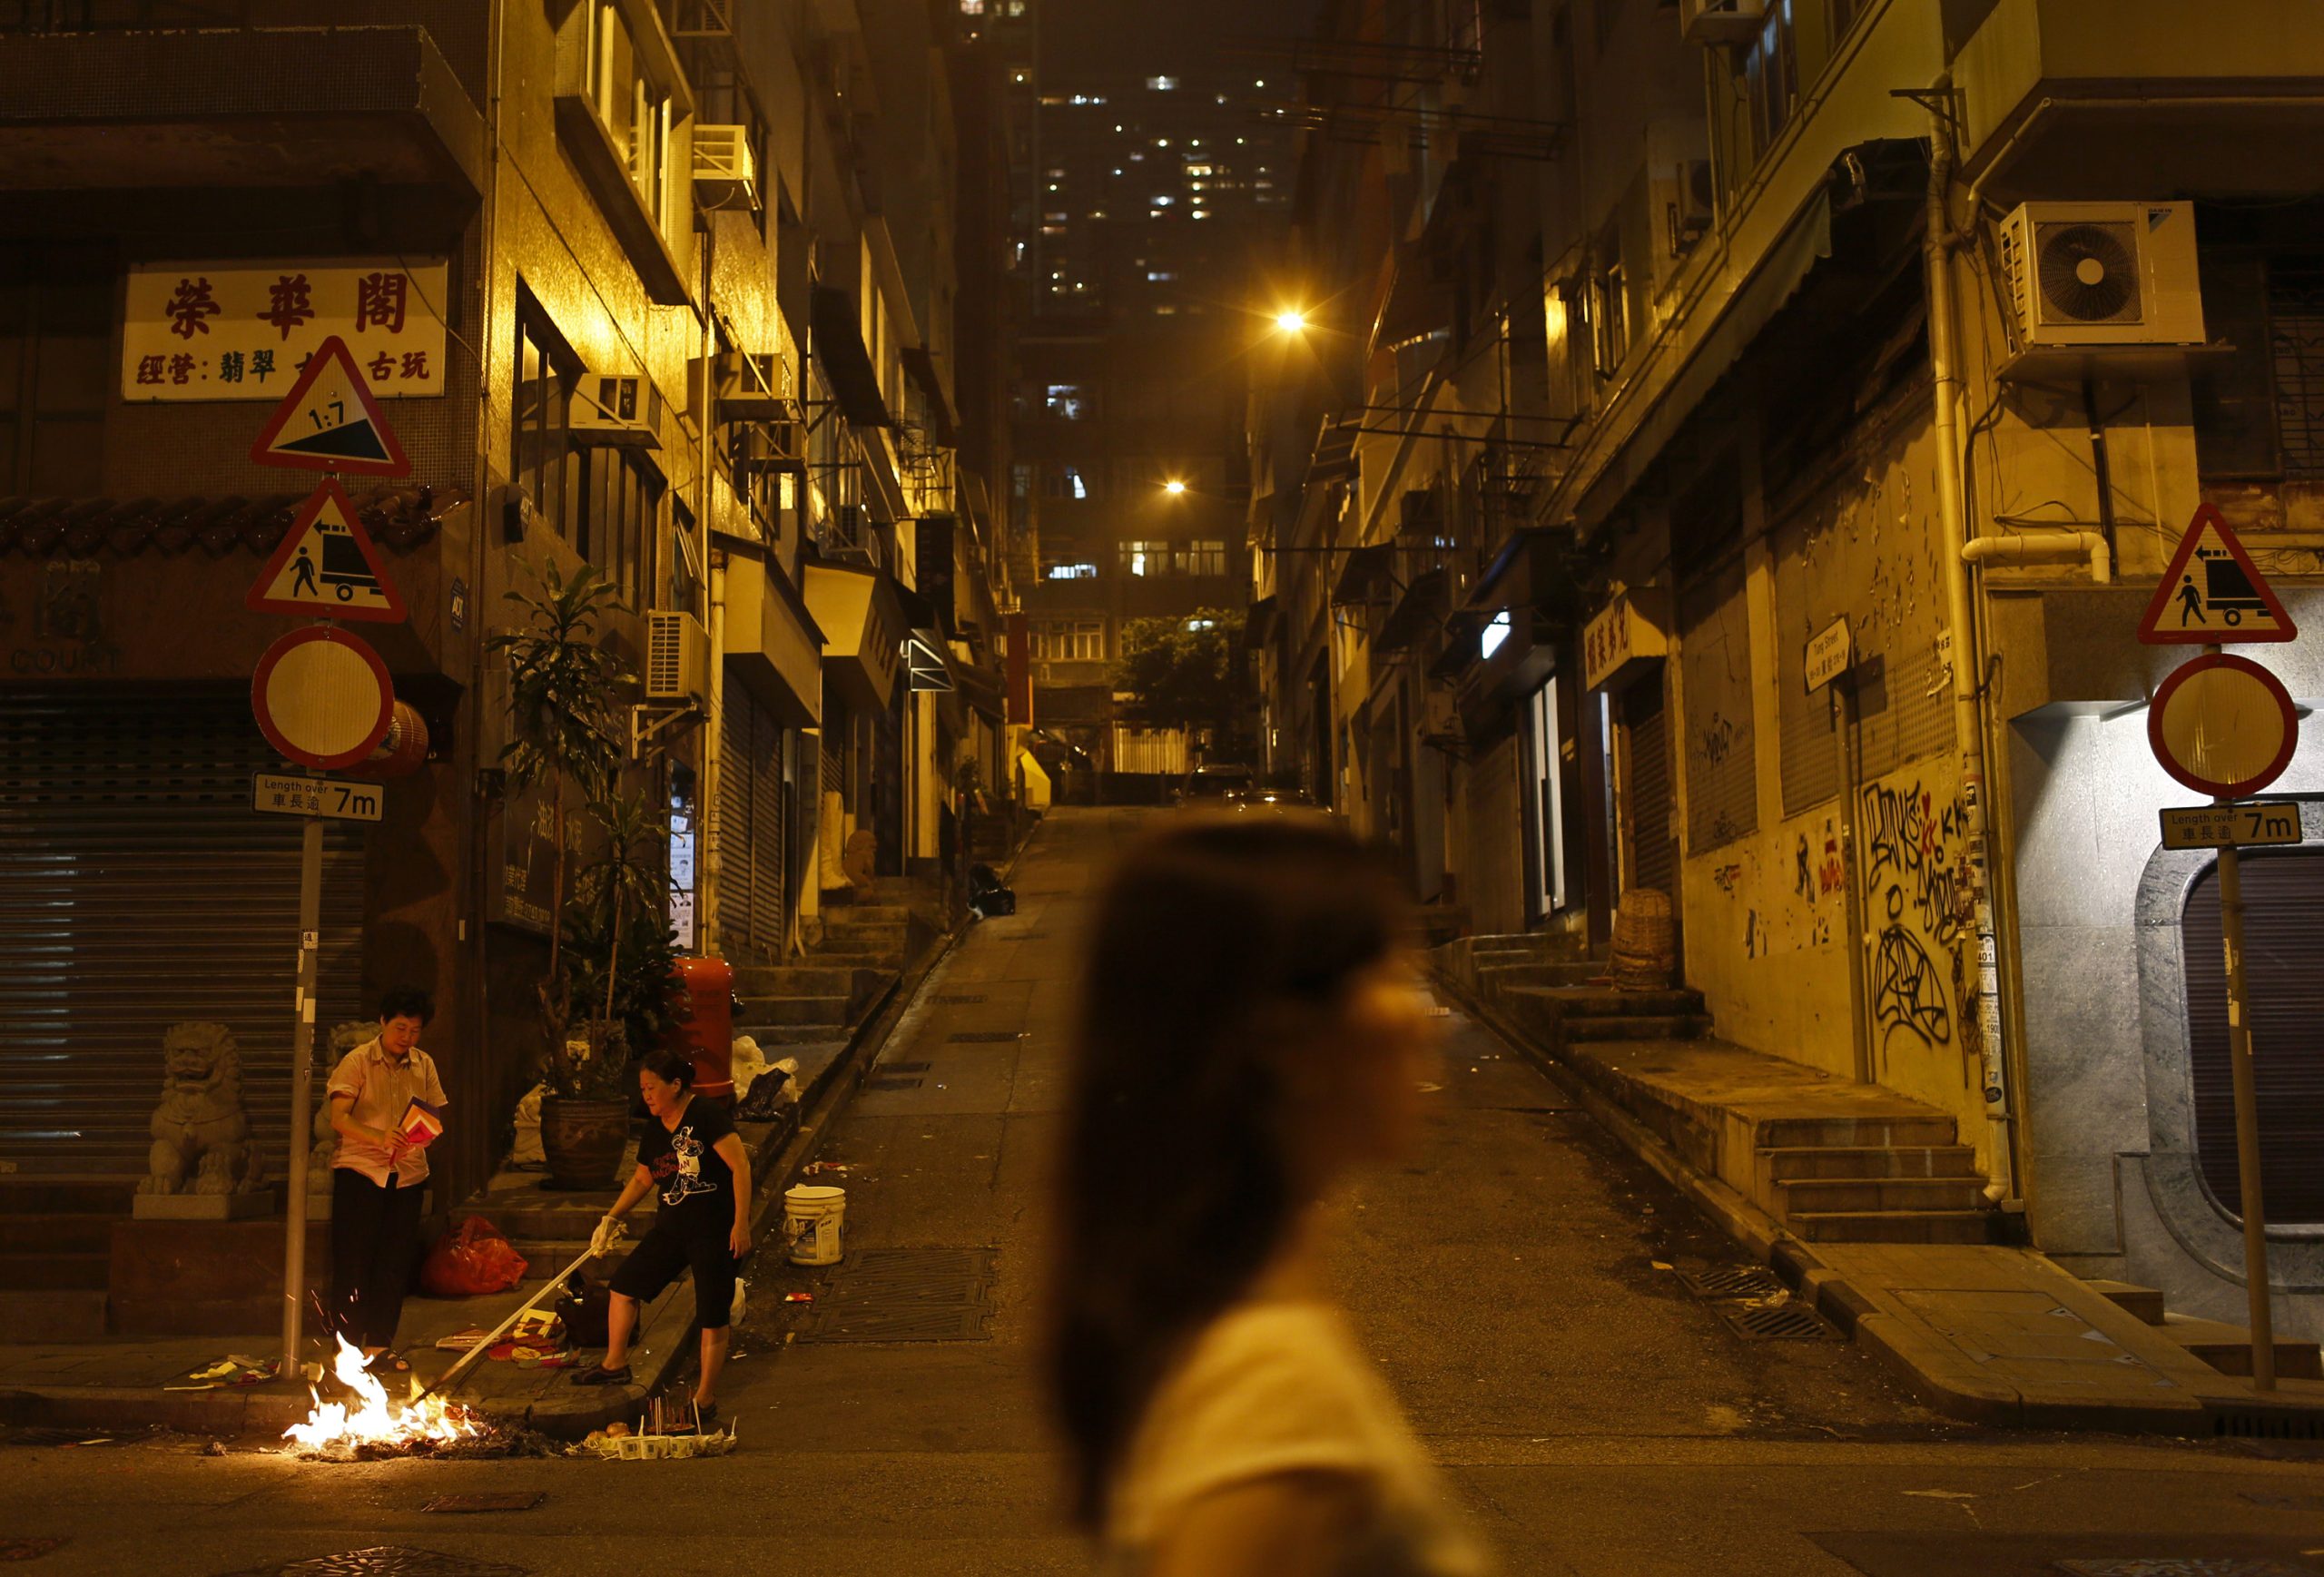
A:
(906, 1294)
(1776, 1322)
(1727, 1281)
(894, 1082)
(385, 1561)
(2180, 1566)
(958, 1000)
(514, 1501)
(984, 1037)
(28, 1549)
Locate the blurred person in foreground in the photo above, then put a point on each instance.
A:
(1250, 1034)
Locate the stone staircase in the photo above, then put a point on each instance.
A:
(829, 989)
(2225, 1347)
(1831, 1160)
(56, 1255)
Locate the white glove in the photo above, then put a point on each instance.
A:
(608, 1232)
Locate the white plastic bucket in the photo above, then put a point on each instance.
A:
(812, 1220)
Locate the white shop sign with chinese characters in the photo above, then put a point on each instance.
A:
(242, 330)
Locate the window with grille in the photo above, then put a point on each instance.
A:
(2259, 406)
(1068, 641)
(56, 312)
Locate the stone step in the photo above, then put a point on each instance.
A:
(1777, 1165)
(76, 1314)
(1561, 972)
(1843, 1195)
(773, 1037)
(794, 1010)
(59, 1234)
(2228, 1348)
(1638, 1027)
(2144, 1303)
(47, 1272)
(1605, 1002)
(891, 959)
(794, 980)
(868, 913)
(1894, 1226)
(1849, 1132)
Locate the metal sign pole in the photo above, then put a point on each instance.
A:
(2247, 1120)
(303, 1083)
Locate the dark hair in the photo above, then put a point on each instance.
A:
(669, 1066)
(407, 1002)
(1175, 1177)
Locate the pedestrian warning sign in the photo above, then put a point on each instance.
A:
(329, 422)
(328, 566)
(2214, 594)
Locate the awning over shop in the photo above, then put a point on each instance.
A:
(773, 646)
(839, 346)
(982, 690)
(864, 628)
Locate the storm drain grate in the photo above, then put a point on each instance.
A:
(2230, 1423)
(28, 1549)
(513, 1501)
(2180, 1566)
(894, 1082)
(957, 1001)
(1776, 1322)
(906, 1294)
(385, 1561)
(1732, 1281)
(984, 1037)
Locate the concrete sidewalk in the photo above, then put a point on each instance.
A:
(1981, 1330)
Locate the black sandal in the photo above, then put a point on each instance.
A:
(705, 1415)
(598, 1375)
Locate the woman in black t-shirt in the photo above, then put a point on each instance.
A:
(692, 1157)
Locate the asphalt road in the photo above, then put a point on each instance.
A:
(1594, 1416)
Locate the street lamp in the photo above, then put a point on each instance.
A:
(1174, 487)
(1291, 321)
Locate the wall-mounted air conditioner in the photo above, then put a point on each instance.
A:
(1714, 21)
(1440, 718)
(756, 387)
(615, 412)
(2090, 275)
(677, 658)
(725, 168)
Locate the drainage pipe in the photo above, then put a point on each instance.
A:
(2022, 550)
(1983, 1007)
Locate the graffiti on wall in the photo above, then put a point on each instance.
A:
(1917, 874)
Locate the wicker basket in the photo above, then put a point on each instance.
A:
(1646, 942)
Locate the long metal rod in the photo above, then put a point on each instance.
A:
(302, 1084)
(445, 1381)
(2247, 1121)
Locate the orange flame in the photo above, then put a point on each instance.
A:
(373, 1420)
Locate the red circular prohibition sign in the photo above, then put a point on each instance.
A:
(2228, 683)
(326, 707)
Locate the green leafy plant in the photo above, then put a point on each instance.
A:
(565, 735)
(622, 955)
(1185, 671)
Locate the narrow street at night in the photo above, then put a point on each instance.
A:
(1594, 1417)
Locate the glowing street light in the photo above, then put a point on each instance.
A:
(1174, 487)
(1291, 321)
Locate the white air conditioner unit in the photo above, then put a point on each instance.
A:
(1693, 204)
(1440, 716)
(1716, 22)
(756, 387)
(616, 411)
(725, 168)
(677, 658)
(2088, 275)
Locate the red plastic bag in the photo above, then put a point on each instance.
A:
(472, 1260)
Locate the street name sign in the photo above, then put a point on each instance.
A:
(327, 565)
(283, 794)
(2223, 726)
(2265, 823)
(330, 422)
(1829, 656)
(323, 697)
(2214, 594)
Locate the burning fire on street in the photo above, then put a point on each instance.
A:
(372, 1423)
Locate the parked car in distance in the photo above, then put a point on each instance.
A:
(1212, 784)
(1271, 802)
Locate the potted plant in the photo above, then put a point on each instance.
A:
(565, 737)
(621, 955)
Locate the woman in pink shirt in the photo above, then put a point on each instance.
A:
(379, 1178)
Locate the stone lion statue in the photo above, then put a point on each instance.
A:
(201, 1136)
(344, 1038)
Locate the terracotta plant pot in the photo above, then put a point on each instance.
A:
(583, 1139)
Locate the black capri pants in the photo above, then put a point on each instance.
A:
(659, 1258)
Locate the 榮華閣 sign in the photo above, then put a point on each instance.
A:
(241, 329)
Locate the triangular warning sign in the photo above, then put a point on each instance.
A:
(329, 422)
(327, 567)
(2214, 594)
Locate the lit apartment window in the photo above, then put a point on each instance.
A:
(635, 111)
(1202, 213)
(1069, 401)
(1164, 201)
(1772, 74)
(1162, 84)
(1159, 276)
(1069, 640)
(972, 7)
(1198, 169)
(1073, 572)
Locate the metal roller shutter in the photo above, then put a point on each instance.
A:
(1654, 852)
(2283, 955)
(1722, 761)
(766, 835)
(138, 889)
(750, 831)
(734, 916)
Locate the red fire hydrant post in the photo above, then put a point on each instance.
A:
(707, 1032)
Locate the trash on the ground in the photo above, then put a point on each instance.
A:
(233, 1369)
(460, 1341)
(1660, 1265)
(474, 1260)
(1428, 1089)
(798, 1298)
(817, 1168)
